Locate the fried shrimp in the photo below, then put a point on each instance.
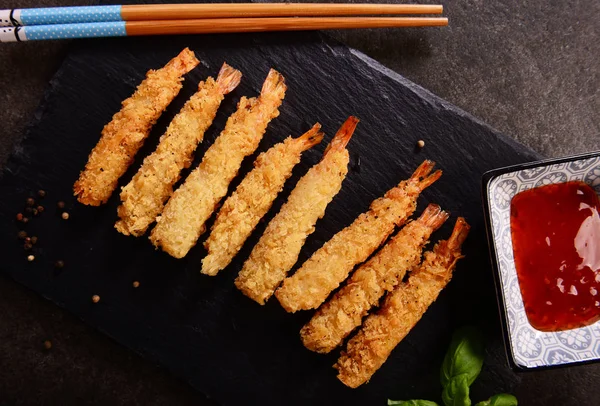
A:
(184, 216)
(144, 197)
(125, 134)
(279, 247)
(253, 198)
(330, 265)
(401, 310)
(346, 309)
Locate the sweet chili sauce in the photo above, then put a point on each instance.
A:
(556, 242)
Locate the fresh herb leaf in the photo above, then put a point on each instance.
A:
(501, 399)
(415, 402)
(456, 392)
(464, 356)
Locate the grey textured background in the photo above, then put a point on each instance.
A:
(530, 69)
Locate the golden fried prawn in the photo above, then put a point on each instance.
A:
(279, 247)
(253, 198)
(401, 310)
(144, 196)
(185, 214)
(330, 265)
(125, 134)
(341, 314)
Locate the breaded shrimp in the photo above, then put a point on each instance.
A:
(125, 134)
(401, 310)
(279, 247)
(330, 265)
(253, 198)
(346, 309)
(144, 197)
(182, 220)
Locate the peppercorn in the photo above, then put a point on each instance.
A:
(25, 220)
(35, 212)
(22, 234)
(40, 209)
(30, 201)
(47, 344)
(30, 258)
(420, 143)
(19, 216)
(65, 216)
(95, 298)
(136, 284)
(41, 193)
(59, 264)
(27, 246)
(60, 205)
(34, 240)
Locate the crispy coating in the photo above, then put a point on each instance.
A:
(346, 309)
(144, 197)
(330, 265)
(279, 247)
(253, 198)
(401, 310)
(183, 218)
(125, 134)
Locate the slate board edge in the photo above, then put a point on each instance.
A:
(428, 95)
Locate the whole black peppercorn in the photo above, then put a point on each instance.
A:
(22, 234)
(60, 205)
(30, 201)
(41, 193)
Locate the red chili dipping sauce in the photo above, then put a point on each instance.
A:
(556, 242)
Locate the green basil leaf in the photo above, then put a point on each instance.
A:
(456, 392)
(501, 399)
(415, 402)
(464, 356)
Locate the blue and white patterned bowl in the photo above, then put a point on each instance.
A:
(527, 347)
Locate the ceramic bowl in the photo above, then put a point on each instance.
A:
(527, 347)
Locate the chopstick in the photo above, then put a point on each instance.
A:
(145, 12)
(208, 26)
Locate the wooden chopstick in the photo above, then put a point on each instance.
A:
(145, 12)
(197, 11)
(232, 25)
(208, 26)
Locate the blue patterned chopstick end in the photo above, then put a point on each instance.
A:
(59, 15)
(63, 31)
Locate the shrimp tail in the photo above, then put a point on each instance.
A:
(459, 234)
(342, 137)
(422, 176)
(228, 78)
(433, 216)
(423, 170)
(274, 85)
(429, 180)
(184, 62)
(311, 138)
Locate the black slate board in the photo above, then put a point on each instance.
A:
(202, 328)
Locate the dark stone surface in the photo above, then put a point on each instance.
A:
(550, 100)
